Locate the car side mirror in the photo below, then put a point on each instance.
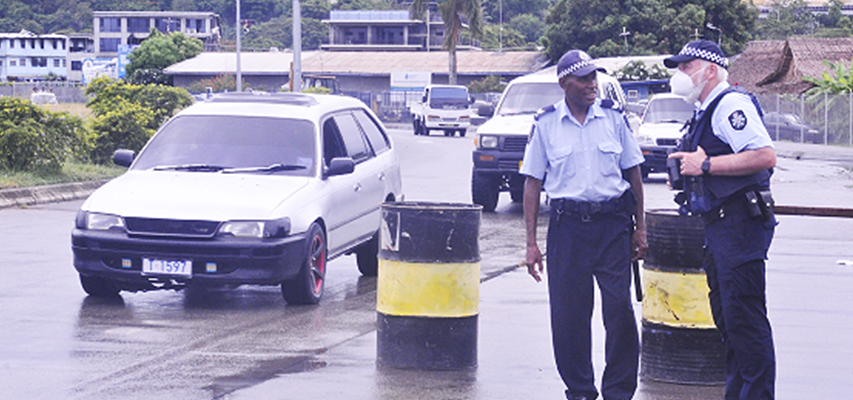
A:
(340, 166)
(123, 157)
(486, 110)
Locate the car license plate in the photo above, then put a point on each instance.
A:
(167, 267)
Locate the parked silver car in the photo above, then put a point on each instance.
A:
(242, 189)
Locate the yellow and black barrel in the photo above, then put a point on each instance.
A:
(680, 342)
(428, 288)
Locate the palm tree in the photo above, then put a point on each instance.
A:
(452, 13)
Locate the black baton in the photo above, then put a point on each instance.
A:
(638, 284)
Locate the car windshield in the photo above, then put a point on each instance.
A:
(668, 110)
(448, 96)
(235, 144)
(527, 98)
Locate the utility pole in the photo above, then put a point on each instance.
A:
(501, 32)
(696, 34)
(239, 26)
(719, 31)
(297, 47)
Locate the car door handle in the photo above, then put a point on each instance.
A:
(356, 188)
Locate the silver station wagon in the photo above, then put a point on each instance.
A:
(242, 189)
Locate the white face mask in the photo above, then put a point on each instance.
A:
(682, 85)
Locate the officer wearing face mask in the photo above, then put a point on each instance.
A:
(726, 159)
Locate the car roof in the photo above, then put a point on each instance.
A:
(275, 105)
(549, 75)
(666, 95)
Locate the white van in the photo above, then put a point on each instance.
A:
(501, 140)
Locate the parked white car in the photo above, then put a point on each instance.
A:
(661, 129)
(242, 189)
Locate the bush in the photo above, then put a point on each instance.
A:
(127, 115)
(32, 138)
(125, 126)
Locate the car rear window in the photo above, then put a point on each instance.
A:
(233, 142)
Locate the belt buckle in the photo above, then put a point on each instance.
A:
(595, 208)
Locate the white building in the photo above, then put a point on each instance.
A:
(27, 56)
(113, 29)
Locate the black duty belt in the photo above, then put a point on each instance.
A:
(610, 206)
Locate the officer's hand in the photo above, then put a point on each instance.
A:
(691, 162)
(534, 260)
(639, 245)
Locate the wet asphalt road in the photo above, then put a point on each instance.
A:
(247, 343)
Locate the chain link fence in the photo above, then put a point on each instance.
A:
(820, 119)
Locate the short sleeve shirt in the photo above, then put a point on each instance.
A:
(583, 162)
(736, 121)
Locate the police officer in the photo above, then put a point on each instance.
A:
(596, 193)
(727, 158)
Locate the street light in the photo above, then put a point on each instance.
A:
(714, 28)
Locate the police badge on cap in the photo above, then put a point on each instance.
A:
(577, 63)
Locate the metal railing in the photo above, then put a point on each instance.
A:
(821, 119)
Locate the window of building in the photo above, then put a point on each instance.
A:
(1, 63)
(23, 62)
(137, 25)
(110, 25)
(110, 45)
(39, 62)
(23, 43)
(56, 63)
(167, 25)
(12, 43)
(199, 26)
(41, 43)
(13, 63)
(76, 65)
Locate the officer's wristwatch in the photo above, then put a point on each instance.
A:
(706, 166)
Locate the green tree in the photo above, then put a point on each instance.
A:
(159, 51)
(493, 9)
(491, 83)
(787, 18)
(126, 115)
(839, 82)
(654, 26)
(529, 25)
(454, 13)
(491, 40)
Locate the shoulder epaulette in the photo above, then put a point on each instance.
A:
(544, 110)
(611, 104)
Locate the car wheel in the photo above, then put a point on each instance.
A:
(462, 132)
(98, 287)
(644, 172)
(448, 133)
(517, 196)
(485, 191)
(367, 256)
(415, 126)
(307, 286)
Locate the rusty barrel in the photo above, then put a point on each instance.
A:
(680, 342)
(428, 286)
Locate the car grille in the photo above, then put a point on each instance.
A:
(171, 227)
(515, 143)
(667, 142)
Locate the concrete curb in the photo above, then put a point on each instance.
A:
(48, 193)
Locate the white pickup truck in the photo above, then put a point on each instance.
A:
(442, 107)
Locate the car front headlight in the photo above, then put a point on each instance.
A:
(256, 229)
(98, 221)
(488, 142)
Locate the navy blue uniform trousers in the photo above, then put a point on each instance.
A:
(736, 247)
(577, 251)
